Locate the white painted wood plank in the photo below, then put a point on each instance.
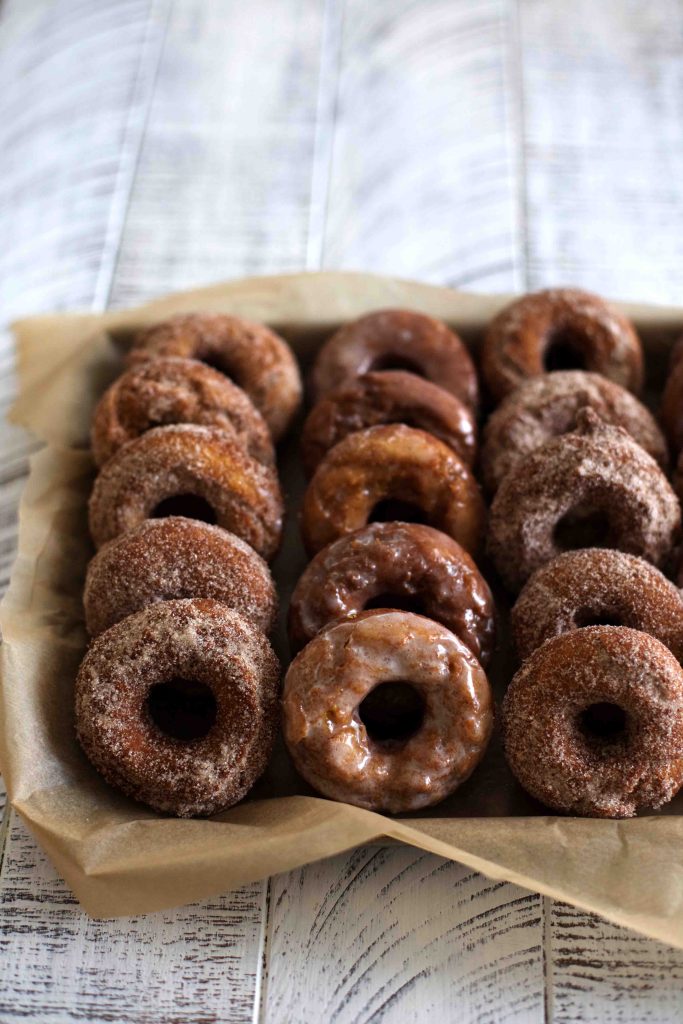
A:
(603, 145)
(197, 964)
(388, 934)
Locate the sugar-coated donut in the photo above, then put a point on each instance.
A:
(592, 487)
(222, 672)
(397, 339)
(169, 470)
(164, 559)
(593, 722)
(391, 565)
(348, 753)
(385, 464)
(671, 410)
(256, 358)
(545, 407)
(522, 339)
(168, 390)
(597, 586)
(388, 396)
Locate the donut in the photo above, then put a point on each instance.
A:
(539, 331)
(671, 410)
(164, 559)
(593, 723)
(163, 391)
(545, 407)
(400, 565)
(177, 706)
(390, 472)
(388, 396)
(256, 358)
(355, 737)
(391, 339)
(597, 586)
(594, 487)
(199, 472)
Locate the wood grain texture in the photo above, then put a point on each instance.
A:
(391, 934)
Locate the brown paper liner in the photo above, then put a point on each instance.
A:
(121, 858)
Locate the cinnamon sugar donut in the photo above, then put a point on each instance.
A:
(526, 338)
(393, 748)
(391, 565)
(379, 465)
(163, 391)
(592, 487)
(177, 705)
(593, 723)
(195, 471)
(671, 411)
(597, 586)
(251, 354)
(164, 559)
(389, 396)
(397, 339)
(545, 407)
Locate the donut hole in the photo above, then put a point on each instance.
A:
(394, 510)
(583, 528)
(595, 617)
(564, 351)
(392, 712)
(182, 708)
(603, 722)
(393, 361)
(192, 506)
(398, 602)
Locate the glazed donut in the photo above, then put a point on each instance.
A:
(592, 487)
(671, 411)
(185, 469)
(404, 747)
(597, 586)
(393, 339)
(593, 723)
(256, 358)
(177, 706)
(385, 464)
(163, 391)
(545, 407)
(394, 565)
(164, 559)
(390, 396)
(525, 337)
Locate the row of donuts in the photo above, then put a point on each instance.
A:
(177, 698)
(384, 708)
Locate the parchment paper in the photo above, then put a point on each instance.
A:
(121, 858)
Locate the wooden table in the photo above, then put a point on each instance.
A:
(149, 145)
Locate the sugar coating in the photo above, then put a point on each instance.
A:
(199, 640)
(567, 769)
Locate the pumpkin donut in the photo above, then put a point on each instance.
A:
(593, 723)
(595, 484)
(545, 407)
(394, 565)
(526, 336)
(597, 586)
(256, 358)
(194, 471)
(177, 706)
(389, 396)
(381, 470)
(671, 411)
(356, 737)
(168, 390)
(397, 339)
(164, 559)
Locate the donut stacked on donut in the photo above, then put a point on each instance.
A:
(387, 705)
(177, 696)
